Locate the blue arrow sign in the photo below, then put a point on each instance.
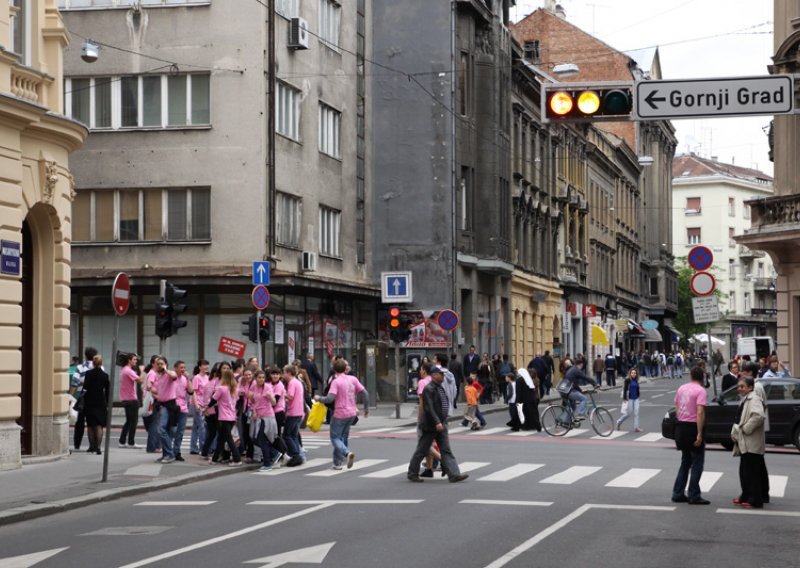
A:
(260, 273)
(396, 287)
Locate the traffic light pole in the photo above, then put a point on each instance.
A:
(262, 346)
(162, 342)
(397, 379)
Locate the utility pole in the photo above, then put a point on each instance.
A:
(271, 128)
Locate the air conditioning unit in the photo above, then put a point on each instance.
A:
(298, 33)
(309, 261)
(748, 276)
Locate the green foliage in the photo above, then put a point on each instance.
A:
(684, 321)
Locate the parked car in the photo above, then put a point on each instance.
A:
(783, 405)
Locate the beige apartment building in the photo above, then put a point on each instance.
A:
(35, 230)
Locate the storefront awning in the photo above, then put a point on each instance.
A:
(676, 334)
(652, 336)
(634, 329)
(599, 335)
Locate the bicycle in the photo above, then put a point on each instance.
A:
(558, 419)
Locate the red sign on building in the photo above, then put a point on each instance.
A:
(232, 347)
(589, 310)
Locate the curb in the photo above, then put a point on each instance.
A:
(27, 512)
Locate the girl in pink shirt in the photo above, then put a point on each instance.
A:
(279, 392)
(209, 407)
(266, 429)
(225, 395)
(199, 400)
(244, 415)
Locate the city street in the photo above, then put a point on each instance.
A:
(530, 500)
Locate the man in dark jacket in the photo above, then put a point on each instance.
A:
(471, 361)
(310, 367)
(432, 427)
(458, 373)
(539, 364)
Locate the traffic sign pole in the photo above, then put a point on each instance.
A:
(120, 297)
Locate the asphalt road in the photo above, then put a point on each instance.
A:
(530, 501)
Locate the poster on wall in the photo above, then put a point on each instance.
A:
(425, 331)
(279, 330)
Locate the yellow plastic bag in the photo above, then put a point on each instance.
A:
(316, 416)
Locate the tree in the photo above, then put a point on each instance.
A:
(684, 321)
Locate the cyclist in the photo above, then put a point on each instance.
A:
(570, 389)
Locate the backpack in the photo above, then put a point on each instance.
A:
(564, 386)
(646, 358)
(670, 360)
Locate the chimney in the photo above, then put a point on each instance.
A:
(714, 158)
(560, 12)
(733, 160)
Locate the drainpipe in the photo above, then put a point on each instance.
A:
(454, 173)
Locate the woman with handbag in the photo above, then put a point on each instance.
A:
(96, 386)
(748, 437)
(630, 400)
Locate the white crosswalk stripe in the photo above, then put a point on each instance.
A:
(458, 429)
(575, 432)
(309, 464)
(523, 433)
(511, 472)
(389, 472)
(708, 480)
(490, 431)
(472, 466)
(571, 475)
(777, 485)
(379, 430)
(615, 434)
(651, 437)
(407, 431)
(359, 464)
(634, 477)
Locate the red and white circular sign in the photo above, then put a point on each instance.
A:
(703, 284)
(121, 294)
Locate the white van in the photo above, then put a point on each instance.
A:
(756, 347)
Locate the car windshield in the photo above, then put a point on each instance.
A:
(730, 395)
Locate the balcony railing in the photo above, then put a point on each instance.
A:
(26, 84)
(778, 210)
(764, 283)
(745, 252)
(568, 274)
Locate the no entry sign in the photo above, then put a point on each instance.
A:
(121, 294)
(703, 284)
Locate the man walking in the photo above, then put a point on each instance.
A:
(611, 370)
(690, 411)
(310, 367)
(457, 369)
(471, 361)
(543, 371)
(433, 427)
(77, 382)
(165, 391)
(598, 367)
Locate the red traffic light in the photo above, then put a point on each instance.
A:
(394, 312)
(263, 322)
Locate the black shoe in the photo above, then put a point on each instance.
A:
(699, 501)
(459, 477)
(427, 473)
(179, 458)
(294, 462)
(415, 478)
(194, 453)
(681, 499)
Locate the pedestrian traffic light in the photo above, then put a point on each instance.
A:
(596, 102)
(252, 328)
(173, 296)
(163, 320)
(263, 329)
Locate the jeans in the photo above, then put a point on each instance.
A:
(577, 397)
(611, 378)
(128, 434)
(633, 408)
(151, 425)
(598, 377)
(209, 445)
(479, 416)
(340, 432)
(291, 434)
(691, 460)
(225, 437)
(424, 443)
(268, 451)
(180, 428)
(671, 371)
(165, 433)
(198, 430)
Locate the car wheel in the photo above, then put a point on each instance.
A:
(728, 445)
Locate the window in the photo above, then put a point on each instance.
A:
(464, 83)
(329, 220)
(732, 207)
(746, 211)
(20, 29)
(747, 302)
(287, 219)
(693, 236)
(692, 205)
(286, 8)
(731, 233)
(329, 126)
(139, 101)
(532, 50)
(287, 109)
(732, 301)
(67, 4)
(731, 268)
(329, 14)
(138, 215)
(465, 198)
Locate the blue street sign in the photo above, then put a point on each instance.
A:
(260, 273)
(396, 287)
(10, 263)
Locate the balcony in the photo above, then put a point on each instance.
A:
(764, 284)
(568, 274)
(745, 252)
(27, 84)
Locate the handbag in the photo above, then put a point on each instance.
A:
(624, 408)
(147, 404)
(316, 416)
(521, 413)
(80, 403)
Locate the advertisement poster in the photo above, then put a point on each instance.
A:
(425, 331)
(413, 363)
(279, 330)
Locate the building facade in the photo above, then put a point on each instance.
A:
(36, 219)
(713, 199)
(173, 182)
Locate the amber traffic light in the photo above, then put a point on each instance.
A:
(566, 102)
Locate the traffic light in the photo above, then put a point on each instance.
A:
(252, 328)
(399, 325)
(263, 329)
(596, 102)
(173, 296)
(163, 320)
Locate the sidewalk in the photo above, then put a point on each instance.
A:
(44, 486)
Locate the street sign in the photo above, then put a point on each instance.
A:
(396, 288)
(10, 258)
(121, 294)
(700, 258)
(447, 320)
(260, 273)
(231, 347)
(260, 296)
(732, 96)
(706, 310)
(703, 284)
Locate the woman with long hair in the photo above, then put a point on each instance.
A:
(225, 394)
(244, 414)
(265, 429)
(630, 398)
(199, 401)
(209, 408)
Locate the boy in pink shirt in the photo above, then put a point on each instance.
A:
(295, 410)
(198, 401)
(129, 376)
(690, 412)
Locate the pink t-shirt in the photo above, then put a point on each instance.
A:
(166, 388)
(181, 393)
(280, 393)
(422, 384)
(199, 383)
(226, 404)
(244, 390)
(345, 387)
(151, 380)
(296, 406)
(127, 383)
(688, 397)
(211, 386)
(261, 400)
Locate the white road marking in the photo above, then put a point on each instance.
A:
(408, 431)
(389, 472)
(512, 472)
(511, 503)
(634, 477)
(307, 465)
(28, 560)
(174, 503)
(575, 432)
(651, 437)
(458, 429)
(359, 464)
(777, 485)
(571, 475)
(309, 555)
(524, 433)
(378, 430)
(491, 431)
(614, 434)
(708, 480)
(342, 502)
(657, 395)
(227, 536)
(472, 466)
(759, 512)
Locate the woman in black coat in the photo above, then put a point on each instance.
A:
(96, 392)
(528, 398)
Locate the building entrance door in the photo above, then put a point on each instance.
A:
(26, 415)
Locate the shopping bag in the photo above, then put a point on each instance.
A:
(316, 416)
(624, 409)
(147, 405)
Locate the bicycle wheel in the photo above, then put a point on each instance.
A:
(552, 421)
(602, 421)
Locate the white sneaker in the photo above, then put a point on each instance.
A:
(134, 446)
(124, 446)
(337, 467)
(351, 457)
(168, 459)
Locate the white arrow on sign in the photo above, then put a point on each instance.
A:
(261, 270)
(396, 286)
(311, 555)
(28, 560)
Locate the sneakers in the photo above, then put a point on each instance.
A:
(159, 460)
(415, 478)
(167, 459)
(351, 457)
(426, 473)
(294, 462)
(699, 501)
(264, 469)
(619, 426)
(337, 467)
(134, 447)
(638, 430)
(179, 458)
(459, 477)
(234, 464)
(122, 445)
(680, 499)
